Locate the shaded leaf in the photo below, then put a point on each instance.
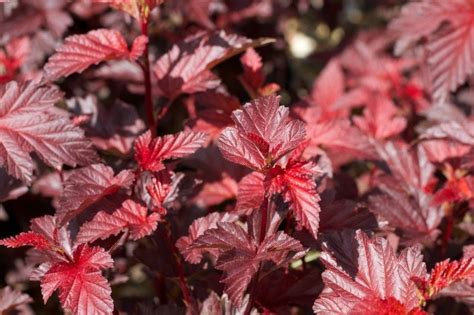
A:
(87, 186)
(186, 67)
(29, 124)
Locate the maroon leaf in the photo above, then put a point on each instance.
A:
(115, 129)
(362, 269)
(29, 124)
(263, 134)
(338, 215)
(413, 215)
(87, 186)
(213, 112)
(239, 256)
(131, 216)
(79, 52)
(198, 228)
(150, 153)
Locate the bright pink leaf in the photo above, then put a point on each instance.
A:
(132, 216)
(29, 124)
(82, 288)
(263, 134)
(150, 153)
(362, 269)
(79, 52)
(87, 186)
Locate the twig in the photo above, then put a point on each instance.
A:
(146, 75)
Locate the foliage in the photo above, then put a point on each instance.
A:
(237, 157)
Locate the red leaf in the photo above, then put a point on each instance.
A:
(444, 274)
(87, 186)
(131, 216)
(339, 137)
(79, 52)
(390, 306)
(82, 288)
(186, 67)
(150, 153)
(44, 236)
(328, 90)
(297, 183)
(29, 124)
(380, 120)
(263, 134)
(362, 269)
(239, 255)
(162, 189)
(450, 49)
(198, 228)
(410, 212)
(253, 73)
(36, 240)
(251, 193)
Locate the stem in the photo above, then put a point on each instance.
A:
(263, 222)
(180, 271)
(164, 110)
(120, 242)
(146, 76)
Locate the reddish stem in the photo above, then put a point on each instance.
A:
(447, 233)
(263, 223)
(180, 271)
(147, 78)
